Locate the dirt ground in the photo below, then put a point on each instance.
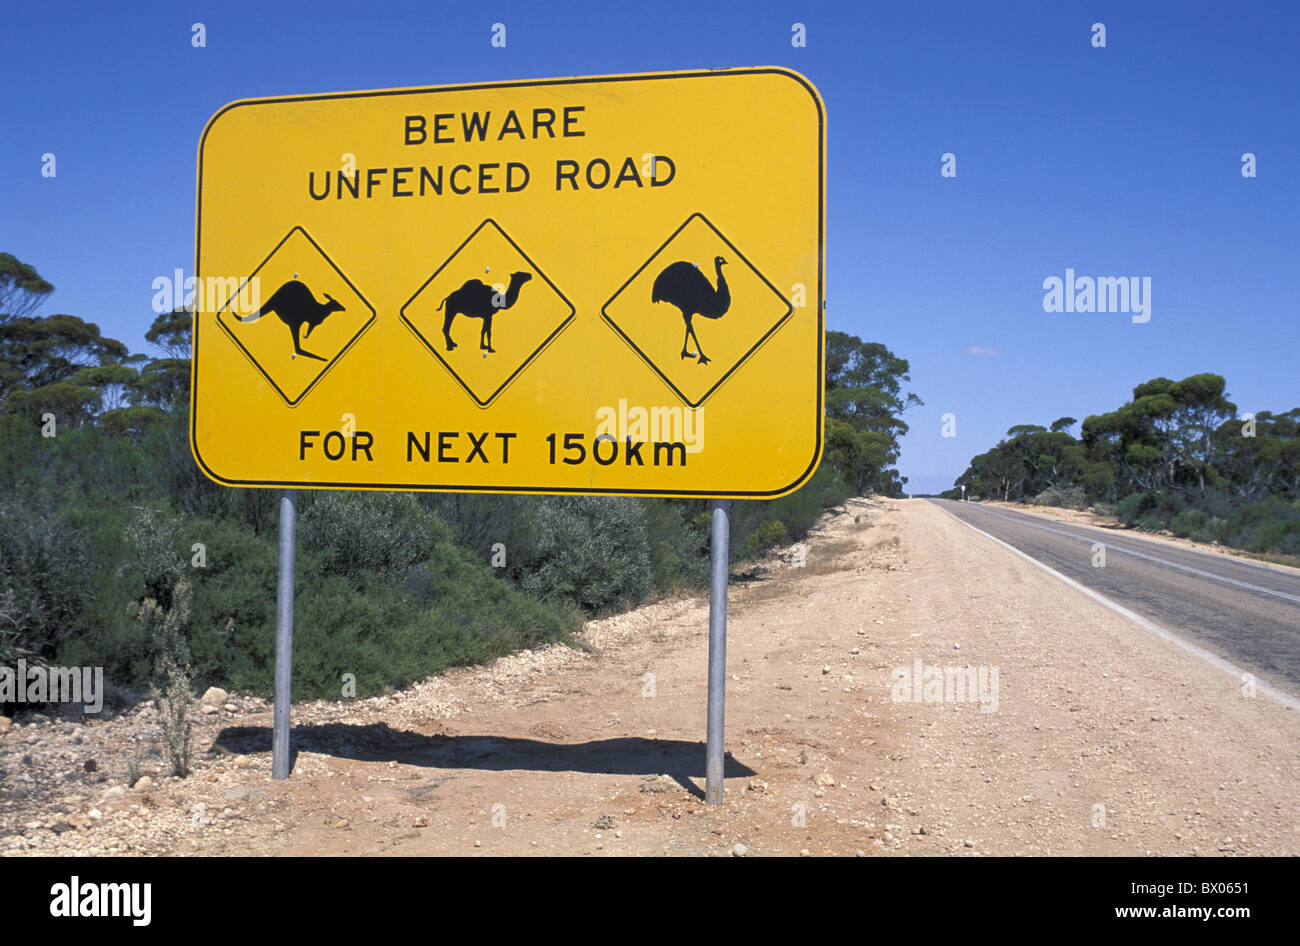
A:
(1101, 738)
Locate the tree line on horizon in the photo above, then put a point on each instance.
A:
(1175, 457)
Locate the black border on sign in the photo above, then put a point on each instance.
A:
(433, 347)
(333, 361)
(543, 490)
(605, 316)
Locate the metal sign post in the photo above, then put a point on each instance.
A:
(284, 634)
(720, 554)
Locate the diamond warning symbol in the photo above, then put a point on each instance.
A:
(318, 316)
(700, 289)
(487, 312)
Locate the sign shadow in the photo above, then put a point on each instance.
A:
(679, 759)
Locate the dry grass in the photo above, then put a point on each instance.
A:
(823, 558)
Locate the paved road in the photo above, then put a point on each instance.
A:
(1245, 612)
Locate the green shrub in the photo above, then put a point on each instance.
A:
(11, 639)
(367, 531)
(1171, 502)
(801, 509)
(479, 523)
(677, 536)
(588, 550)
(449, 611)
(767, 534)
(1271, 525)
(153, 538)
(1154, 521)
(796, 512)
(389, 622)
(45, 574)
(1132, 506)
(1190, 523)
(173, 699)
(1064, 497)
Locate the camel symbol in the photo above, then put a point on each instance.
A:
(683, 285)
(296, 306)
(478, 300)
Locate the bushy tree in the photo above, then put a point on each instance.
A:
(22, 290)
(1175, 456)
(865, 403)
(1164, 437)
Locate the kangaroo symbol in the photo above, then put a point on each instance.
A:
(480, 301)
(296, 306)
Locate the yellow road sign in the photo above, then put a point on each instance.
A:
(597, 285)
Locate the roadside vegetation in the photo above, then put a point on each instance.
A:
(116, 551)
(1175, 458)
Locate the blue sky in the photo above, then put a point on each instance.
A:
(1122, 161)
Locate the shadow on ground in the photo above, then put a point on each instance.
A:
(378, 742)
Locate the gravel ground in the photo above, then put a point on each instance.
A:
(1103, 740)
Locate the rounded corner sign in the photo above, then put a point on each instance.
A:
(607, 285)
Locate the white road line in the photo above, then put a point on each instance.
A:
(1286, 699)
(1150, 558)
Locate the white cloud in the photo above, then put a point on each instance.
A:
(981, 350)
